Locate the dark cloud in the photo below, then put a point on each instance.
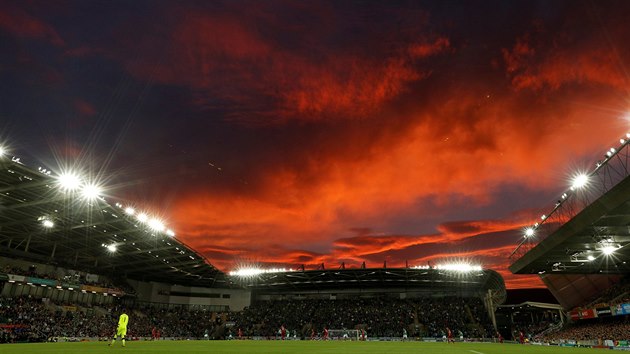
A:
(19, 22)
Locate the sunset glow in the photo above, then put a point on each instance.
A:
(289, 134)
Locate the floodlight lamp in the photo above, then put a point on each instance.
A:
(170, 233)
(48, 223)
(543, 217)
(130, 211)
(579, 181)
(529, 232)
(143, 217)
(2, 151)
(69, 181)
(112, 248)
(246, 272)
(459, 267)
(590, 257)
(156, 224)
(91, 191)
(608, 250)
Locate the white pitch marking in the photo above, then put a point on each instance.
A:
(476, 352)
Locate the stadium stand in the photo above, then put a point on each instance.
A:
(36, 319)
(379, 317)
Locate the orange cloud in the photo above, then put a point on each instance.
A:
(234, 65)
(420, 170)
(555, 57)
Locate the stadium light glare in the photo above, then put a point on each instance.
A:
(579, 181)
(91, 191)
(2, 151)
(421, 267)
(529, 232)
(590, 257)
(170, 233)
(69, 181)
(130, 211)
(47, 223)
(112, 248)
(251, 272)
(459, 267)
(608, 250)
(156, 224)
(143, 217)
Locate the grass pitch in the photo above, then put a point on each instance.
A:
(272, 347)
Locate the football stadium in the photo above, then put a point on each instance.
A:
(74, 266)
(314, 177)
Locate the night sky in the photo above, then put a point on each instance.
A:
(305, 132)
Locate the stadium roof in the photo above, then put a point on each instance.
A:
(582, 246)
(588, 231)
(594, 241)
(376, 278)
(42, 222)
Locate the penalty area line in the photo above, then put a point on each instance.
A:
(476, 352)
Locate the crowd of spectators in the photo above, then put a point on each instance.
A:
(47, 320)
(616, 294)
(379, 317)
(614, 330)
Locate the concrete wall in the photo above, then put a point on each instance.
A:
(56, 272)
(234, 299)
(395, 293)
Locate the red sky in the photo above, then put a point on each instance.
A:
(289, 133)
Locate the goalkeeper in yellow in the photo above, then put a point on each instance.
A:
(122, 328)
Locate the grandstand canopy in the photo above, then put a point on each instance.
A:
(376, 278)
(595, 241)
(42, 222)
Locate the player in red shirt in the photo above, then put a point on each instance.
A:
(283, 332)
(312, 333)
(325, 333)
(449, 336)
(521, 337)
(240, 333)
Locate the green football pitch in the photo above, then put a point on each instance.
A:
(270, 347)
